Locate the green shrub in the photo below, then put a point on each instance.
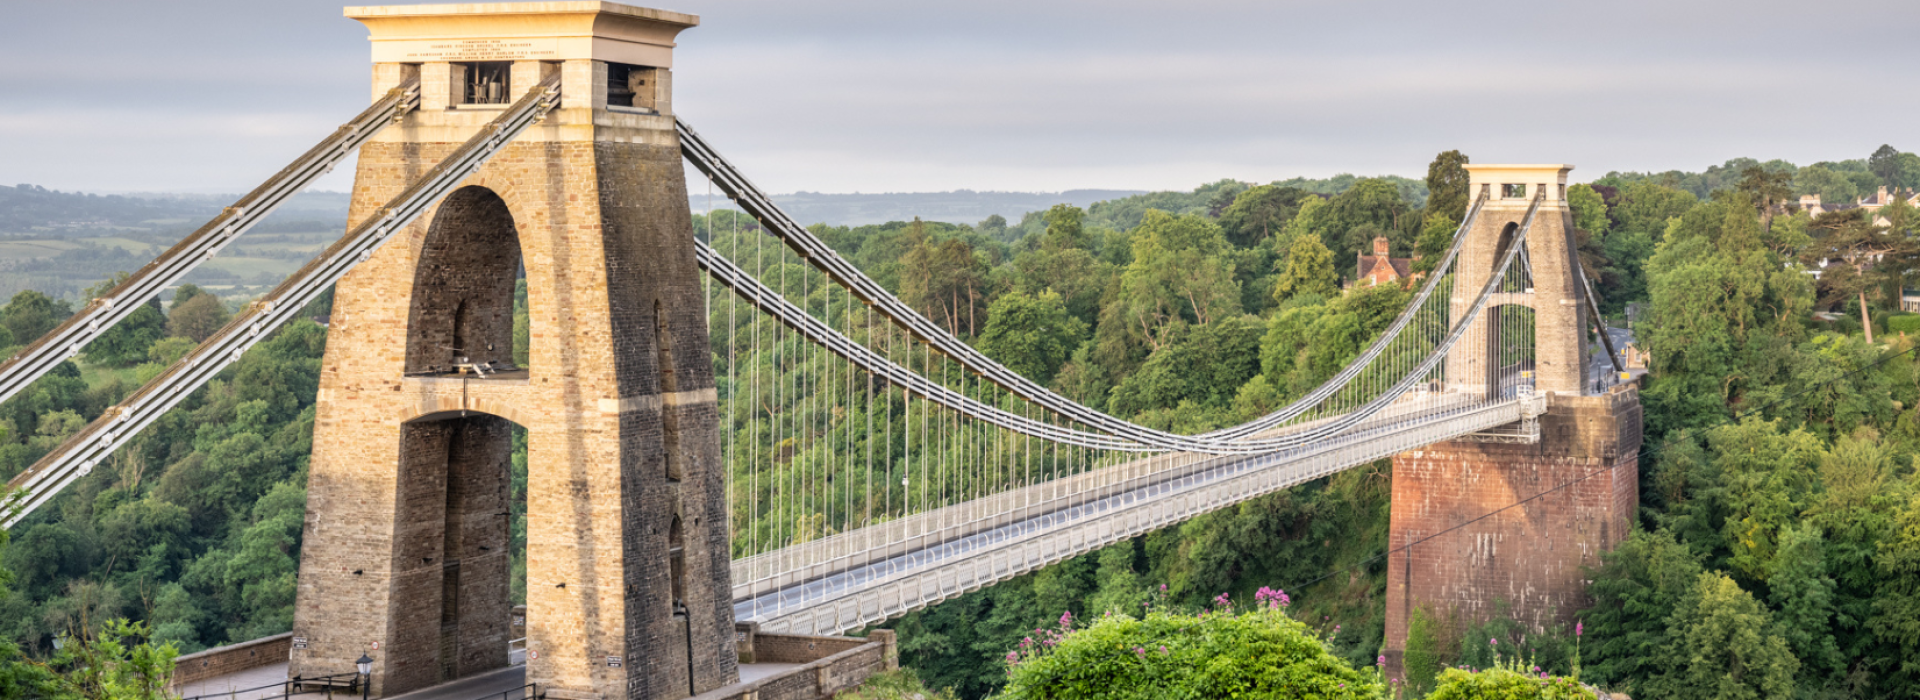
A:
(1904, 323)
(1506, 684)
(1258, 654)
(895, 685)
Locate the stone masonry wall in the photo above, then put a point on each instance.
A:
(232, 658)
(616, 454)
(1524, 561)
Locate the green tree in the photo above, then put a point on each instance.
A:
(1031, 335)
(1180, 274)
(1436, 237)
(1720, 300)
(1260, 653)
(1722, 645)
(1432, 644)
(1896, 605)
(126, 343)
(1120, 589)
(31, 314)
(994, 226)
(1372, 207)
(946, 280)
(1769, 474)
(1802, 597)
(1065, 228)
(1635, 591)
(117, 663)
(1646, 208)
(1885, 164)
(1768, 190)
(1858, 245)
(1831, 187)
(1447, 184)
(1589, 210)
(1259, 213)
(197, 317)
(1309, 270)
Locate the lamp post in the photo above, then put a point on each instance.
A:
(366, 674)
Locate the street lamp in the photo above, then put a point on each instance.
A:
(366, 674)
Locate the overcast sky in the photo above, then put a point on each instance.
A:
(885, 95)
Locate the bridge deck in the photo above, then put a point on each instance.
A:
(860, 593)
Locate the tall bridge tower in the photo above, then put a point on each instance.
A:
(1575, 482)
(405, 557)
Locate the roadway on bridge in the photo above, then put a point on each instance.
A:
(1213, 470)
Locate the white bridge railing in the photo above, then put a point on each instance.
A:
(847, 588)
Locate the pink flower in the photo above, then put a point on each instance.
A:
(1381, 661)
(1140, 652)
(1493, 642)
(1163, 588)
(1066, 619)
(1163, 648)
(1579, 626)
(1012, 657)
(1543, 674)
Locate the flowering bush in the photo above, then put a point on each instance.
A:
(1512, 679)
(1257, 653)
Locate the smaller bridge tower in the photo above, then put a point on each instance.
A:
(1575, 480)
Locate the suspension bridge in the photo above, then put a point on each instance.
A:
(734, 423)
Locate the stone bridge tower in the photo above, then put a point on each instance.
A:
(1575, 485)
(405, 557)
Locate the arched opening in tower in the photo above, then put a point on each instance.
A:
(460, 477)
(1510, 347)
(467, 311)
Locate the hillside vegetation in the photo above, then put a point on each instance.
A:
(1779, 535)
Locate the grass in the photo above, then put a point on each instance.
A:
(99, 375)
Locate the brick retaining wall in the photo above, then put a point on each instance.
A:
(232, 658)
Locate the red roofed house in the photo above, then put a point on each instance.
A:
(1379, 269)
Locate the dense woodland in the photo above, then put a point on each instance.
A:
(1779, 544)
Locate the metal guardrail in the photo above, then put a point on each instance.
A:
(290, 687)
(77, 456)
(1231, 480)
(529, 691)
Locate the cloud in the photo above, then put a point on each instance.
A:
(846, 95)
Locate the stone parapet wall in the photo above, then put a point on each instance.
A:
(830, 665)
(801, 648)
(232, 658)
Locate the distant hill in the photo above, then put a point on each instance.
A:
(958, 206)
(62, 243)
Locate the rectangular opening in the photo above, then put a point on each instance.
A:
(630, 86)
(483, 82)
(1513, 191)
